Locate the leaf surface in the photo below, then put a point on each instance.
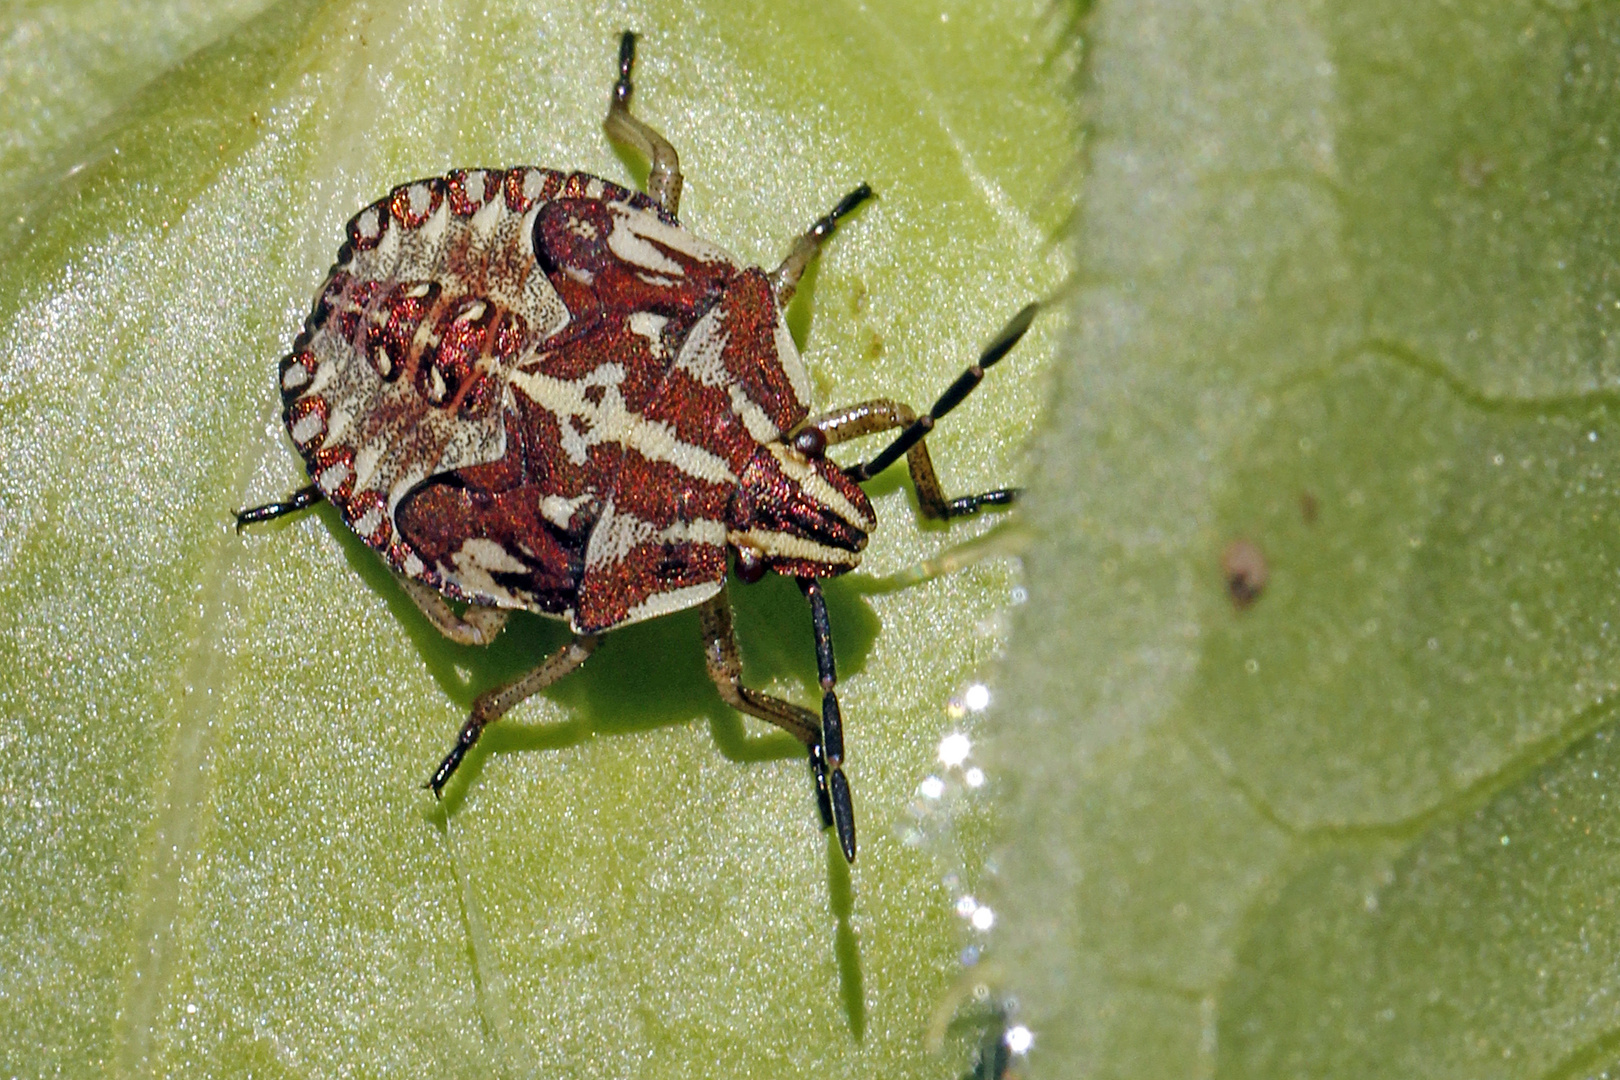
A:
(219, 861)
(1349, 300)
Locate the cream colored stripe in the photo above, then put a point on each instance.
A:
(610, 421)
(815, 485)
(663, 603)
(779, 545)
(618, 533)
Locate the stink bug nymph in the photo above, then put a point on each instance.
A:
(535, 390)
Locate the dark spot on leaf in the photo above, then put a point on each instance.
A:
(1246, 572)
(1307, 508)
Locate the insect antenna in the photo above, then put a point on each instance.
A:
(1003, 343)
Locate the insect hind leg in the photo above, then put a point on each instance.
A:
(494, 704)
(664, 179)
(785, 278)
(477, 626)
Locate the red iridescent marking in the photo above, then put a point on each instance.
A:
(351, 310)
(749, 318)
(511, 336)
(679, 519)
(585, 186)
(412, 204)
(306, 421)
(462, 332)
(581, 185)
(598, 286)
(367, 515)
(332, 470)
(367, 227)
(525, 187)
(394, 324)
(470, 189)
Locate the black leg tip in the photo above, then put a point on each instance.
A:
(627, 61)
(972, 504)
(852, 200)
(818, 769)
(843, 814)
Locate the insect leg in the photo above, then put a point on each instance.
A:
(301, 499)
(664, 181)
(478, 626)
(725, 668)
(493, 704)
(883, 414)
(785, 278)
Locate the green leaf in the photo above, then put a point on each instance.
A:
(217, 858)
(1350, 297)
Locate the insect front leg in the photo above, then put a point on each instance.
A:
(725, 668)
(477, 626)
(493, 704)
(664, 181)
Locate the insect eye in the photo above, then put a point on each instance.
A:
(750, 565)
(810, 442)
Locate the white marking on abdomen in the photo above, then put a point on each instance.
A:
(333, 476)
(365, 463)
(308, 426)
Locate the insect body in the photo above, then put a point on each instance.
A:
(535, 390)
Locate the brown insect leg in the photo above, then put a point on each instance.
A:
(478, 626)
(493, 704)
(725, 668)
(882, 414)
(301, 499)
(785, 278)
(664, 181)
